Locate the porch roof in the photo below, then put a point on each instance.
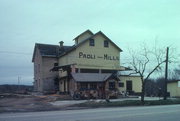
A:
(90, 77)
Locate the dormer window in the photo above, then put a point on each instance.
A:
(106, 43)
(91, 42)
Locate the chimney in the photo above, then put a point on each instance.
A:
(61, 43)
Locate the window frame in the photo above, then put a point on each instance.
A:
(106, 43)
(93, 86)
(129, 85)
(112, 85)
(84, 86)
(91, 42)
(121, 84)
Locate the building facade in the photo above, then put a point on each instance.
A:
(44, 57)
(130, 83)
(88, 69)
(173, 87)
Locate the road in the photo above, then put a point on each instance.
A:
(146, 113)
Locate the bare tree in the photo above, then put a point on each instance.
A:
(145, 62)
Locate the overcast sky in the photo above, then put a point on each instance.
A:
(126, 22)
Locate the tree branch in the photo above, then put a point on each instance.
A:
(154, 70)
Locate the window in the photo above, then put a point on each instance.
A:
(89, 71)
(77, 70)
(111, 85)
(55, 64)
(93, 86)
(84, 86)
(108, 71)
(106, 43)
(129, 85)
(35, 69)
(38, 67)
(91, 42)
(121, 84)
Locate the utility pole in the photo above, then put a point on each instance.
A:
(166, 74)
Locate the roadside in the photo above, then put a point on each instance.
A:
(32, 103)
(135, 98)
(72, 102)
(28, 103)
(127, 102)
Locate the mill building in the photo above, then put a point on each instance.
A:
(90, 68)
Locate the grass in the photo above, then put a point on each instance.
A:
(94, 104)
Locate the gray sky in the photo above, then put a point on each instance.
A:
(126, 22)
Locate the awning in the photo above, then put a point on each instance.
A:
(56, 68)
(90, 77)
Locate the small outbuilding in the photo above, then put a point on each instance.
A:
(173, 87)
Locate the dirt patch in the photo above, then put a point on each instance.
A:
(26, 103)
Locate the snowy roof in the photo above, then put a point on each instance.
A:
(128, 73)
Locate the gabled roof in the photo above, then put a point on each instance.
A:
(49, 50)
(46, 49)
(76, 46)
(108, 39)
(87, 31)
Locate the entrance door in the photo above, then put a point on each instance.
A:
(129, 86)
(101, 90)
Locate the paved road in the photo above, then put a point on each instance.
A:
(151, 113)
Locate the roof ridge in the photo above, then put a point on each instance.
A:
(83, 33)
(45, 44)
